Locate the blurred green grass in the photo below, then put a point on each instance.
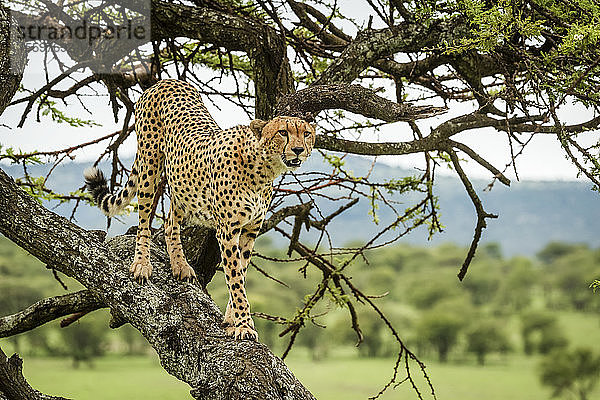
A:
(331, 379)
(111, 377)
(342, 376)
(513, 378)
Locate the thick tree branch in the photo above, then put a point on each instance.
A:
(374, 149)
(262, 43)
(372, 45)
(428, 143)
(12, 59)
(307, 103)
(47, 310)
(178, 319)
(436, 140)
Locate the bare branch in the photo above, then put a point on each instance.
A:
(323, 223)
(67, 151)
(48, 310)
(280, 215)
(481, 213)
(481, 161)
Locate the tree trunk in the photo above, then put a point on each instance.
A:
(481, 358)
(12, 58)
(443, 354)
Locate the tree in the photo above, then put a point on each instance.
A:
(426, 295)
(541, 333)
(555, 250)
(15, 298)
(493, 251)
(551, 338)
(512, 66)
(572, 274)
(373, 344)
(314, 338)
(483, 286)
(484, 337)
(573, 372)
(440, 329)
(515, 288)
(83, 342)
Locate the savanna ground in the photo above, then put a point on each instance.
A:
(89, 361)
(342, 376)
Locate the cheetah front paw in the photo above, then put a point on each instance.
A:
(242, 332)
(182, 270)
(141, 270)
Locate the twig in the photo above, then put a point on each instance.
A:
(72, 318)
(481, 161)
(481, 213)
(265, 273)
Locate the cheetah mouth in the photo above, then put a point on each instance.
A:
(293, 163)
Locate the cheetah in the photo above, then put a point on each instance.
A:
(223, 178)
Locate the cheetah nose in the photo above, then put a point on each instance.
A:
(297, 150)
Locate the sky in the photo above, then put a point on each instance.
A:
(543, 159)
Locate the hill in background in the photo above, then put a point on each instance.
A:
(531, 214)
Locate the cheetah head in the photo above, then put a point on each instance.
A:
(285, 140)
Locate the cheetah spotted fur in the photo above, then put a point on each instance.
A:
(222, 177)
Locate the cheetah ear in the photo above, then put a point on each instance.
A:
(256, 126)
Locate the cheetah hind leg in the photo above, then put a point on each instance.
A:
(141, 268)
(179, 265)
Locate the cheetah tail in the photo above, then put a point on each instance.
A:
(110, 204)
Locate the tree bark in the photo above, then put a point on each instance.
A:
(48, 310)
(178, 319)
(12, 59)
(371, 45)
(307, 103)
(12, 383)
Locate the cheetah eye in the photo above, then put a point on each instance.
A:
(307, 133)
(283, 133)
